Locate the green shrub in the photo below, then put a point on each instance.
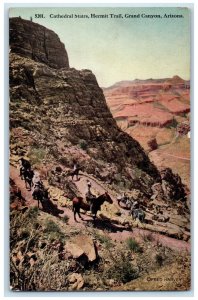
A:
(65, 219)
(33, 212)
(64, 161)
(121, 270)
(133, 245)
(51, 226)
(53, 231)
(173, 124)
(36, 155)
(159, 259)
(83, 144)
(104, 240)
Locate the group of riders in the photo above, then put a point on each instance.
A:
(32, 178)
(134, 206)
(34, 182)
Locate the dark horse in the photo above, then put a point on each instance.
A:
(28, 175)
(75, 173)
(78, 203)
(41, 194)
(25, 165)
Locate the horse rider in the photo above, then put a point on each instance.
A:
(28, 176)
(37, 182)
(128, 202)
(135, 205)
(125, 199)
(90, 197)
(24, 165)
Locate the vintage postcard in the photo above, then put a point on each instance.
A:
(99, 120)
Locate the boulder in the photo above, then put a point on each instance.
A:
(74, 249)
(82, 246)
(76, 281)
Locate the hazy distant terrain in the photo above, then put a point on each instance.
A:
(156, 112)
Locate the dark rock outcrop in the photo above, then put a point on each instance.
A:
(172, 185)
(183, 128)
(38, 43)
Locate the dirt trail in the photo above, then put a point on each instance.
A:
(118, 234)
(179, 157)
(82, 184)
(27, 195)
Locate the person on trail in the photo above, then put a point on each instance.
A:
(124, 199)
(135, 205)
(128, 202)
(37, 182)
(90, 197)
(24, 166)
(28, 176)
(88, 189)
(76, 169)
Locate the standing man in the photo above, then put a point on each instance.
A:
(76, 169)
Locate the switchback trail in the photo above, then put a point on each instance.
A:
(119, 234)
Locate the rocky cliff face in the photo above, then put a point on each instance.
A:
(38, 43)
(66, 112)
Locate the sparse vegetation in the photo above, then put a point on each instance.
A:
(64, 161)
(36, 155)
(83, 144)
(35, 270)
(133, 245)
(148, 237)
(52, 231)
(103, 240)
(159, 259)
(173, 124)
(33, 212)
(65, 219)
(121, 270)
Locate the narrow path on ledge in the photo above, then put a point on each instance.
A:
(118, 234)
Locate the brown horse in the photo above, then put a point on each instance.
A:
(78, 203)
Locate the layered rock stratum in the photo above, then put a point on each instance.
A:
(156, 112)
(38, 43)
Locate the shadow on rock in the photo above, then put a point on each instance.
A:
(51, 208)
(108, 224)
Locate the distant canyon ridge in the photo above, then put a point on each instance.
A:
(156, 112)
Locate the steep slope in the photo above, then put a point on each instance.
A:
(64, 112)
